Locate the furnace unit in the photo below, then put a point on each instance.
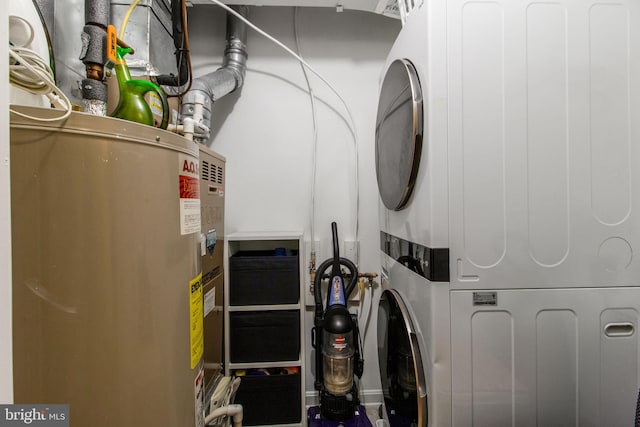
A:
(212, 185)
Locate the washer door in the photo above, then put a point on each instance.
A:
(398, 134)
(401, 370)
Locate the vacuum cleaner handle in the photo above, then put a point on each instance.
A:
(353, 271)
(317, 283)
(335, 264)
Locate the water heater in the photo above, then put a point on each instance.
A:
(107, 283)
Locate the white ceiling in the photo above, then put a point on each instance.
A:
(384, 7)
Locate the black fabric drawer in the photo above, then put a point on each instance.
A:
(270, 399)
(262, 278)
(264, 336)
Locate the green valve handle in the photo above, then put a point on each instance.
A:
(132, 105)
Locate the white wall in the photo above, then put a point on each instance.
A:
(6, 367)
(266, 131)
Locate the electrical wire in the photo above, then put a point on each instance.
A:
(365, 303)
(15, 22)
(314, 116)
(351, 124)
(178, 85)
(30, 72)
(125, 19)
(185, 51)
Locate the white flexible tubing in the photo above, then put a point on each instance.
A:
(352, 125)
(292, 53)
(33, 74)
(125, 20)
(40, 82)
(364, 315)
(233, 410)
(314, 117)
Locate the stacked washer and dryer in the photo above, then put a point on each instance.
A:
(508, 163)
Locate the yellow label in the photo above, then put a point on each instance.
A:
(196, 312)
(155, 103)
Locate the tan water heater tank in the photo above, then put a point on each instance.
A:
(107, 287)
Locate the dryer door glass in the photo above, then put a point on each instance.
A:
(401, 370)
(398, 134)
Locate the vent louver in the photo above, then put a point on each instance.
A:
(220, 175)
(216, 174)
(205, 171)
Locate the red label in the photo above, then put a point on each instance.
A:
(189, 187)
(190, 166)
(340, 343)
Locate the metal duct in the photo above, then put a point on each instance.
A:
(225, 79)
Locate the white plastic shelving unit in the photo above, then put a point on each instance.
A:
(263, 241)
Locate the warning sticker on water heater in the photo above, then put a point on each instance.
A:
(196, 327)
(189, 181)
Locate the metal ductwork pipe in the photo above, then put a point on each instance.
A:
(225, 79)
(93, 55)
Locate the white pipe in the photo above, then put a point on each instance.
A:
(188, 128)
(198, 107)
(233, 410)
(213, 365)
(175, 128)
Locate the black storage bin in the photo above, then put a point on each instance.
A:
(264, 336)
(262, 278)
(273, 399)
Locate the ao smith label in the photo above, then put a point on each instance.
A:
(189, 193)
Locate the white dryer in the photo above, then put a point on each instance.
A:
(508, 163)
(414, 311)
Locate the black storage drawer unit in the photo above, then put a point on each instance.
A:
(271, 399)
(263, 278)
(264, 336)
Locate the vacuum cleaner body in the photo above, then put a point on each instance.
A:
(335, 338)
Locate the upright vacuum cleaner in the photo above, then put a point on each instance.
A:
(335, 338)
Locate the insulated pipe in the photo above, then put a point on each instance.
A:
(97, 12)
(93, 55)
(225, 79)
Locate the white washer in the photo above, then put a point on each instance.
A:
(509, 223)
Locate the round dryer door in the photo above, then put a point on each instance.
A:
(401, 370)
(398, 134)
